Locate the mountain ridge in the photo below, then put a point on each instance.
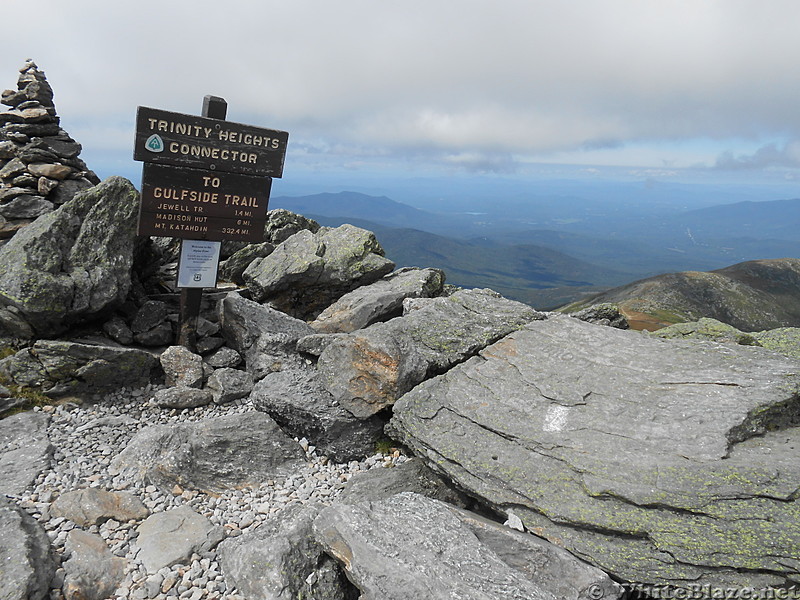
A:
(751, 296)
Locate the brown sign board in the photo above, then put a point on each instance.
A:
(203, 205)
(169, 138)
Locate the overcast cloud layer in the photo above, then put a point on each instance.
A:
(466, 84)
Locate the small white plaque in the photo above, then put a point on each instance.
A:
(198, 265)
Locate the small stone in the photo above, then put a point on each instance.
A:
(44, 185)
(182, 367)
(51, 171)
(514, 522)
(169, 581)
(183, 397)
(224, 357)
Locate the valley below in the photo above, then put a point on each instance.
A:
(550, 251)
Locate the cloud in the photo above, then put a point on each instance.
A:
(473, 162)
(769, 156)
(420, 78)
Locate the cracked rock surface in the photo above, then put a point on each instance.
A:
(660, 461)
(368, 369)
(409, 546)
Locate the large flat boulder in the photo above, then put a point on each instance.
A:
(70, 264)
(665, 462)
(217, 454)
(379, 301)
(59, 367)
(367, 370)
(409, 546)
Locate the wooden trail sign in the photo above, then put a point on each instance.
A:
(202, 205)
(170, 138)
(205, 180)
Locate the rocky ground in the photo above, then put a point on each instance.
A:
(88, 436)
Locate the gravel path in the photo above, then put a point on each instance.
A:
(88, 436)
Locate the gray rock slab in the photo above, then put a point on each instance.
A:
(224, 357)
(208, 345)
(606, 313)
(308, 271)
(280, 560)
(60, 368)
(10, 404)
(227, 385)
(118, 330)
(74, 262)
(92, 572)
(314, 344)
(232, 451)
(283, 224)
(25, 555)
(550, 566)
(151, 314)
(160, 335)
(660, 461)
(68, 189)
(25, 206)
(267, 338)
(171, 537)
(409, 546)
(25, 450)
(296, 399)
(182, 367)
(785, 340)
(232, 269)
(370, 368)
(379, 301)
(706, 329)
(183, 397)
(91, 506)
(410, 476)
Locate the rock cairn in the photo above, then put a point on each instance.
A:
(39, 164)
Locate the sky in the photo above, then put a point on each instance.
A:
(671, 90)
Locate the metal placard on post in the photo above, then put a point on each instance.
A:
(199, 263)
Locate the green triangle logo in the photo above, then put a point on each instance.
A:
(154, 143)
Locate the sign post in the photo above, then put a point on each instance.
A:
(205, 180)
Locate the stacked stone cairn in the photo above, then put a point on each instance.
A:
(39, 164)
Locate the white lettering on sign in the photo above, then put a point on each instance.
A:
(200, 151)
(234, 200)
(224, 135)
(179, 128)
(248, 139)
(185, 218)
(182, 195)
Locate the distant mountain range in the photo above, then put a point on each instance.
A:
(552, 251)
(751, 296)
